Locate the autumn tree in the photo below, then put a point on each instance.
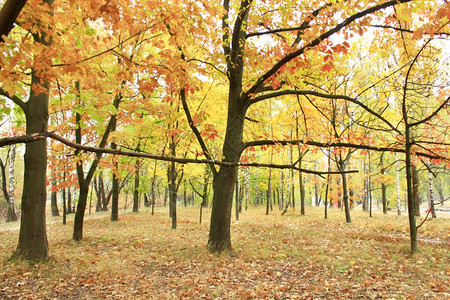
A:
(252, 81)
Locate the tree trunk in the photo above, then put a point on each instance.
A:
(69, 201)
(136, 186)
(409, 189)
(397, 170)
(98, 206)
(54, 201)
(115, 178)
(269, 191)
(431, 195)
(247, 187)
(81, 208)
(383, 187)
(115, 197)
(33, 242)
(342, 168)
(63, 195)
(415, 188)
(327, 185)
(223, 182)
(153, 189)
(12, 216)
(236, 193)
(172, 194)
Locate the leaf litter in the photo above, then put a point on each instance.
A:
(274, 257)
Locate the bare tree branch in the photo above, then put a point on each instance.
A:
(338, 144)
(443, 104)
(195, 130)
(14, 99)
(327, 96)
(302, 27)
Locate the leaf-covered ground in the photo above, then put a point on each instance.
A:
(274, 257)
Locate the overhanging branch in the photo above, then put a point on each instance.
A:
(39, 136)
(337, 144)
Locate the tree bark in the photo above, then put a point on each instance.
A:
(431, 195)
(33, 242)
(415, 188)
(397, 171)
(8, 15)
(54, 201)
(115, 197)
(136, 186)
(409, 188)
(223, 182)
(12, 216)
(81, 208)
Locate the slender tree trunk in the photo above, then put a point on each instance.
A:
(153, 189)
(415, 187)
(115, 178)
(397, 170)
(115, 196)
(369, 188)
(98, 206)
(69, 201)
(345, 198)
(431, 195)
(247, 187)
(236, 193)
(328, 185)
(409, 188)
(137, 169)
(63, 195)
(269, 192)
(383, 186)
(12, 216)
(81, 208)
(172, 178)
(54, 200)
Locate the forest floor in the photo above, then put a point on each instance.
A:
(274, 257)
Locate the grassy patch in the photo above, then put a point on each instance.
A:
(274, 257)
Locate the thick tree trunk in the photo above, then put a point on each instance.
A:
(223, 186)
(33, 242)
(224, 179)
(8, 15)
